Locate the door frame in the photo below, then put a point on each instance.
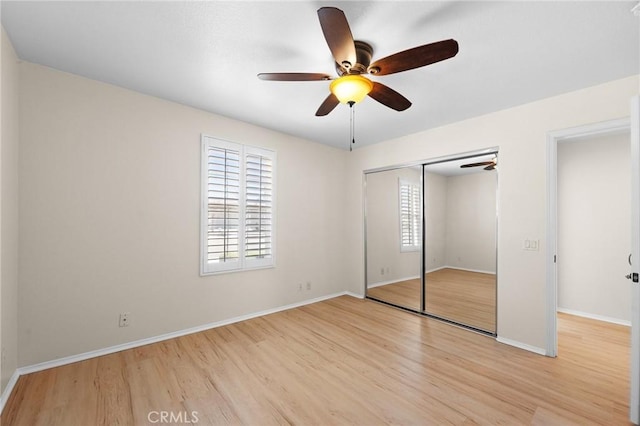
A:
(634, 380)
(553, 139)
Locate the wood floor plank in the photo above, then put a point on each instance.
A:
(113, 392)
(340, 361)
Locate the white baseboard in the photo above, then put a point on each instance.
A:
(130, 345)
(395, 280)
(480, 271)
(521, 345)
(595, 317)
(356, 295)
(7, 391)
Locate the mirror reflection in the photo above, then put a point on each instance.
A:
(460, 252)
(394, 236)
(459, 257)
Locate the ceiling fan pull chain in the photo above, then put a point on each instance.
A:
(352, 129)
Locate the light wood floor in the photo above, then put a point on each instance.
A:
(461, 296)
(402, 293)
(341, 361)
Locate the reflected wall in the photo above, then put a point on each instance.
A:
(392, 272)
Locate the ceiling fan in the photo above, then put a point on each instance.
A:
(490, 165)
(353, 58)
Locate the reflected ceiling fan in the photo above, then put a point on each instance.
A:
(490, 165)
(353, 58)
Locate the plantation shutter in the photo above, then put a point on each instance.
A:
(238, 206)
(223, 205)
(258, 244)
(410, 218)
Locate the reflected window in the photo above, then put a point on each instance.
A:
(410, 205)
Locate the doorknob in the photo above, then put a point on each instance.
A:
(633, 277)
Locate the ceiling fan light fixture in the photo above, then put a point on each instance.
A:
(351, 88)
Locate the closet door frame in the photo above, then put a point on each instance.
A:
(422, 164)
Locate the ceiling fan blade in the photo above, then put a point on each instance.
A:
(484, 163)
(328, 105)
(338, 35)
(293, 76)
(389, 97)
(415, 58)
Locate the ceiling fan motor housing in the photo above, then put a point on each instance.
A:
(364, 52)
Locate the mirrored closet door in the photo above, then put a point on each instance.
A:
(394, 236)
(430, 239)
(460, 249)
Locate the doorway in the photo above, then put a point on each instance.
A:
(630, 126)
(594, 213)
(607, 128)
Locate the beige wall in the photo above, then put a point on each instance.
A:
(461, 221)
(436, 221)
(594, 212)
(471, 222)
(109, 218)
(9, 213)
(520, 133)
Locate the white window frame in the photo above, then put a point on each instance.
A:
(415, 214)
(243, 263)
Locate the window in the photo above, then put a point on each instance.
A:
(238, 206)
(410, 217)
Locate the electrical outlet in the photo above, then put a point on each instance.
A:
(3, 356)
(124, 319)
(299, 286)
(308, 285)
(381, 271)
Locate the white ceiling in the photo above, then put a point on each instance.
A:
(207, 55)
